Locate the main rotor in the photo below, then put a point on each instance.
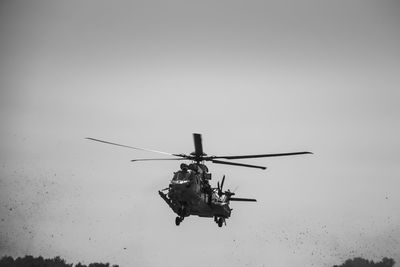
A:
(199, 156)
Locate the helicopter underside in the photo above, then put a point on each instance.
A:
(199, 205)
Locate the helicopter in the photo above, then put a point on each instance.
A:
(189, 191)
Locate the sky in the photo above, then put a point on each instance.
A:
(251, 77)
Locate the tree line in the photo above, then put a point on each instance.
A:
(30, 261)
(360, 262)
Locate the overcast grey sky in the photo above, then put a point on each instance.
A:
(252, 77)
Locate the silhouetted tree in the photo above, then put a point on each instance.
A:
(6, 261)
(30, 261)
(360, 262)
(99, 265)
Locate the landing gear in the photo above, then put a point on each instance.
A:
(178, 220)
(220, 222)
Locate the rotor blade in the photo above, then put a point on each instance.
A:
(198, 147)
(237, 164)
(138, 148)
(242, 199)
(261, 155)
(133, 160)
(222, 183)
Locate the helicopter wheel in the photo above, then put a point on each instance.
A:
(178, 220)
(220, 222)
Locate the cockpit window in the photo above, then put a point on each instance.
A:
(180, 175)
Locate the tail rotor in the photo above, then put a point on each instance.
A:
(229, 194)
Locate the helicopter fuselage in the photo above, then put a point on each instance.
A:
(189, 193)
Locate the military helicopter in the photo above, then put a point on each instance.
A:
(189, 191)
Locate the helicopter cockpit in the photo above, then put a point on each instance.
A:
(181, 176)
